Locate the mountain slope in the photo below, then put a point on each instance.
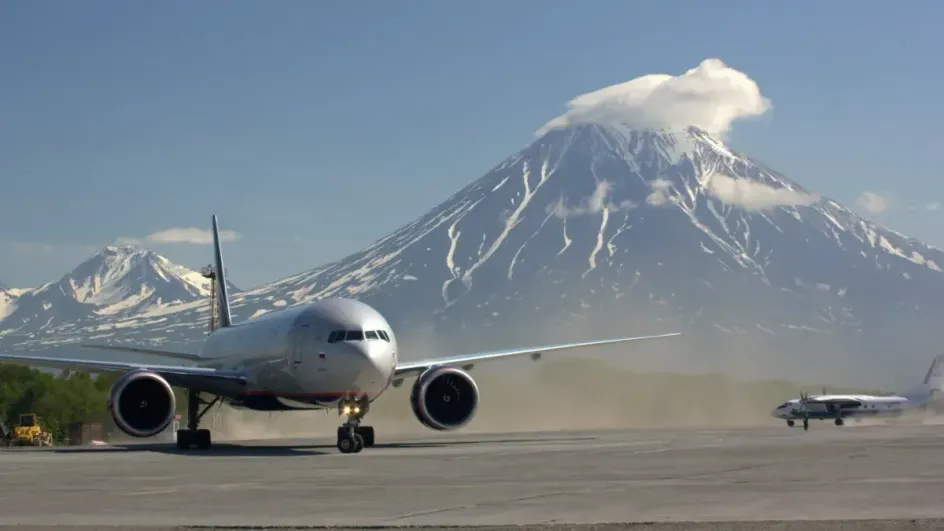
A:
(115, 282)
(605, 230)
(598, 207)
(8, 298)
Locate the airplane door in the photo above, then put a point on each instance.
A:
(313, 361)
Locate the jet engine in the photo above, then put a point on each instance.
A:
(142, 403)
(444, 398)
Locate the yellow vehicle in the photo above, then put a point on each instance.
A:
(29, 432)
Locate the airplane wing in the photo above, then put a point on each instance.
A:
(154, 352)
(415, 368)
(179, 376)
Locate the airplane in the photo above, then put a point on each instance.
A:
(840, 407)
(332, 353)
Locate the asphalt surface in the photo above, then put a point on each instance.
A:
(644, 479)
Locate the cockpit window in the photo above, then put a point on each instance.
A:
(785, 404)
(357, 335)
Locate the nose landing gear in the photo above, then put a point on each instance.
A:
(352, 437)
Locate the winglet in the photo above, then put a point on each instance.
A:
(223, 291)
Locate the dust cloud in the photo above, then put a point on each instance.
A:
(670, 383)
(563, 395)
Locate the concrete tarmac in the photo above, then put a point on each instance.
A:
(656, 477)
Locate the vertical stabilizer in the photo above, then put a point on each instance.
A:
(222, 290)
(935, 376)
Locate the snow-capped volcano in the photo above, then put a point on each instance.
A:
(601, 227)
(115, 282)
(589, 216)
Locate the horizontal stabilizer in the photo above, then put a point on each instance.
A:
(153, 352)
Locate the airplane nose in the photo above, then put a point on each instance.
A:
(358, 350)
(364, 354)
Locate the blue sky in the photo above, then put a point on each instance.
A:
(124, 119)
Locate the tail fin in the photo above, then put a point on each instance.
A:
(935, 375)
(223, 291)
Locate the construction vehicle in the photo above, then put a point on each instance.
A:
(28, 432)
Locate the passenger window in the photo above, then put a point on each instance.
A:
(370, 334)
(355, 335)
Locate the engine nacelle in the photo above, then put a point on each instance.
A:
(444, 398)
(142, 403)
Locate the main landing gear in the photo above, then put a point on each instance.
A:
(352, 437)
(838, 421)
(806, 423)
(193, 436)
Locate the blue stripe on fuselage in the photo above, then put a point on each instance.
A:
(845, 413)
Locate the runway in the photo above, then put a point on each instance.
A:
(712, 476)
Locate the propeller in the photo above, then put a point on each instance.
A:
(804, 397)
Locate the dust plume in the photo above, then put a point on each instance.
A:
(677, 382)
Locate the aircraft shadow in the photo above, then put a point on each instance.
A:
(285, 450)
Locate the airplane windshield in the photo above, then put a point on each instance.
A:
(358, 335)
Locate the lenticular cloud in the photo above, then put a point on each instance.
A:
(710, 96)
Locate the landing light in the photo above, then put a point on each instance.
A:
(348, 409)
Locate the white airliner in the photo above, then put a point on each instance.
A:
(840, 407)
(332, 353)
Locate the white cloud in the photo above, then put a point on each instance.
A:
(181, 235)
(753, 195)
(880, 203)
(710, 96)
(749, 195)
(873, 202)
(660, 192)
(594, 204)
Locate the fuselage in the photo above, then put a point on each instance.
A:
(309, 356)
(845, 406)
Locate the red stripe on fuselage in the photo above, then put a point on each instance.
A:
(299, 395)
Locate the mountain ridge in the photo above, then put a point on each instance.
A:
(118, 280)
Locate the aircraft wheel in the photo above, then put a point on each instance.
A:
(790, 423)
(183, 439)
(203, 439)
(839, 422)
(806, 424)
(367, 434)
(358, 443)
(349, 443)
